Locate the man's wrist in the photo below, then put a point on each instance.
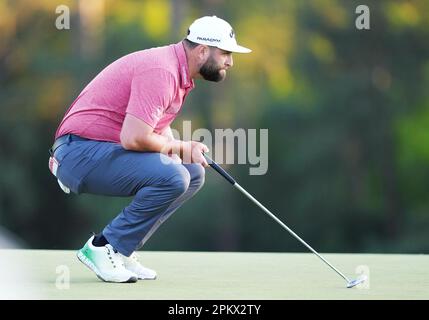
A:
(175, 147)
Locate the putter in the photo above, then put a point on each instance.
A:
(222, 172)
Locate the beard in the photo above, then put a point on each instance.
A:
(211, 71)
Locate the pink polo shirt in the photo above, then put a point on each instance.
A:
(150, 84)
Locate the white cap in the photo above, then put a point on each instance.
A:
(213, 31)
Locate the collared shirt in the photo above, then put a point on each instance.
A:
(150, 84)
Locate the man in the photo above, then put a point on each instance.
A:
(116, 140)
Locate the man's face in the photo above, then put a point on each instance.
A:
(214, 69)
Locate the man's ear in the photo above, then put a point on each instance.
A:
(203, 52)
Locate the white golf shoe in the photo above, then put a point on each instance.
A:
(132, 264)
(107, 263)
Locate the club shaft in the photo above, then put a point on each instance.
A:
(231, 180)
(288, 229)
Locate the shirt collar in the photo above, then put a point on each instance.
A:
(185, 80)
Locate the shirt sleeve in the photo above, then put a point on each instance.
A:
(151, 94)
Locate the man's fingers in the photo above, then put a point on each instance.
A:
(205, 163)
(201, 159)
(202, 146)
(197, 153)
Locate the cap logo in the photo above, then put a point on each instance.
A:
(232, 33)
(208, 39)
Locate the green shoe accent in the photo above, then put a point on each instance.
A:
(87, 252)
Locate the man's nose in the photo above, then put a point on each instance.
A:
(229, 62)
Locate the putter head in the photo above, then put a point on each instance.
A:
(354, 283)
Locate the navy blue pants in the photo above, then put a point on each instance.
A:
(158, 184)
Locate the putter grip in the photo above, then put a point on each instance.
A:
(219, 169)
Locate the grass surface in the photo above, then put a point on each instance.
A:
(40, 274)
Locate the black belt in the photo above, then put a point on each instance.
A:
(63, 140)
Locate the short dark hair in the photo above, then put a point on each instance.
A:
(190, 44)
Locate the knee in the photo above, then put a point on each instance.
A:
(198, 175)
(179, 181)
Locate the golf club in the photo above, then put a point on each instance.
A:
(215, 166)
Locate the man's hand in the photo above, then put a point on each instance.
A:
(192, 152)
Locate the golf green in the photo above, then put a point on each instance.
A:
(52, 274)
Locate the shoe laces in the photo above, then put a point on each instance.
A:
(134, 257)
(114, 256)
